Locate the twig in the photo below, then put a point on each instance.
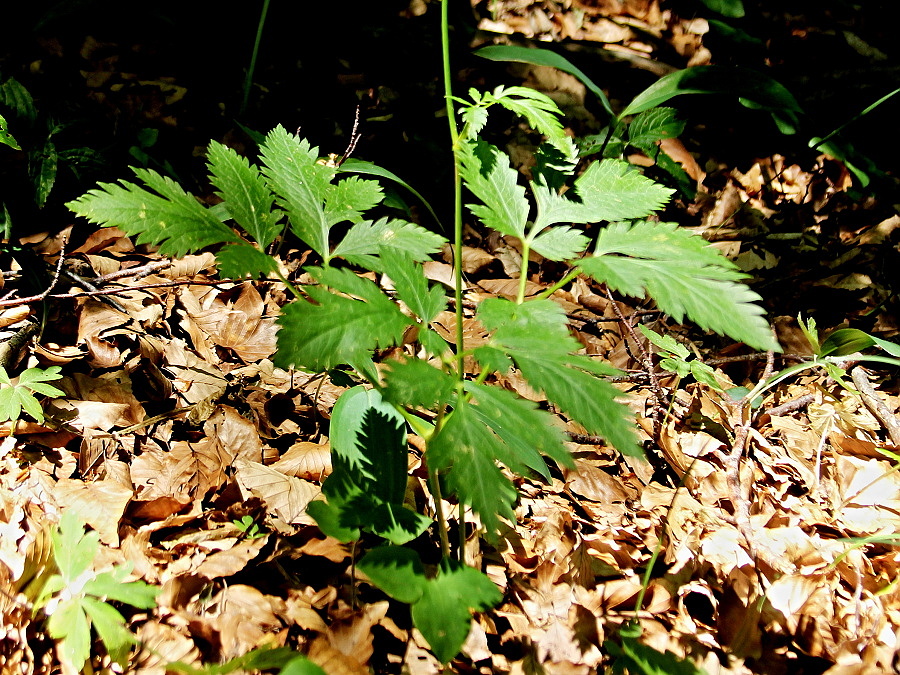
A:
(10, 348)
(646, 359)
(136, 272)
(874, 403)
(790, 406)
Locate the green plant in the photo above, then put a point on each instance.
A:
(471, 429)
(17, 394)
(76, 598)
(675, 359)
(247, 524)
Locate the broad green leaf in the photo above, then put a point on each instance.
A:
(488, 175)
(654, 125)
(368, 168)
(665, 342)
(395, 570)
(525, 430)
(443, 613)
(171, 219)
(417, 384)
(646, 660)
(336, 329)
(467, 450)
(348, 417)
(684, 275)
(244, 193)
(889, 347)
(10, 404)
(111, 628)
(35, 379)
(301, 183)
(412, 285)
(70, 625)
(541, 112)
(6, 138)
(328, 517)
(237, 261)
(396, 523)
(544, 57)
(381, 442)
(613, 190)
(349, 198)
(366, 239)
(746, 83)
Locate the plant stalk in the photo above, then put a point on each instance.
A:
(248, 81)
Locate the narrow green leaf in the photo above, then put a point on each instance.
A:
(336, 329)
(15, 96)
(443, 613)
(244, 193)
(751, 85)
(733, 9)
(846, 341)
(112, 585)
(171, 219)
(43, 165)
(487, 173)
(395, 570)
(292, 169)
(300, 665)
(368, 168)
(544, 57)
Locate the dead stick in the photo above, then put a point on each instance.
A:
(874, 404)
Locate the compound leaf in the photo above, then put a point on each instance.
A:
(110, 626)
(171, 219)
(349, 198)
(412, 285)
(684, 275)
(654, 125)
(488, 175)
(242, 259)
(301, 183)
(395, 570)
(366, 239)
(417, 384)
(541, 112)
(244, 192)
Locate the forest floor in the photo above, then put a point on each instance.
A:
(193, 457)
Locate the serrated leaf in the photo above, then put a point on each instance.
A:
(395, 570)
(398, 524)
(6, 138)
(684, 275)
(467, 449)
(613, 190)
(541, 112)
(412, 285)
(535, 335)
(366, 239)
(417, 384)
(665, 342)
(525, 430)
(171, 219)
(560, 243)
(244, 192)
(654, 125)
(237, 261)
(337, 329)
(350, 198)
(488, 175)
(443, 613)
(291, 168)
(43, 165)
(110, 627)
(16, 97)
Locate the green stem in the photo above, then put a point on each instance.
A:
(248, 81)
(293, 289)
(570, 277)
(523, 272)
(457, 180)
